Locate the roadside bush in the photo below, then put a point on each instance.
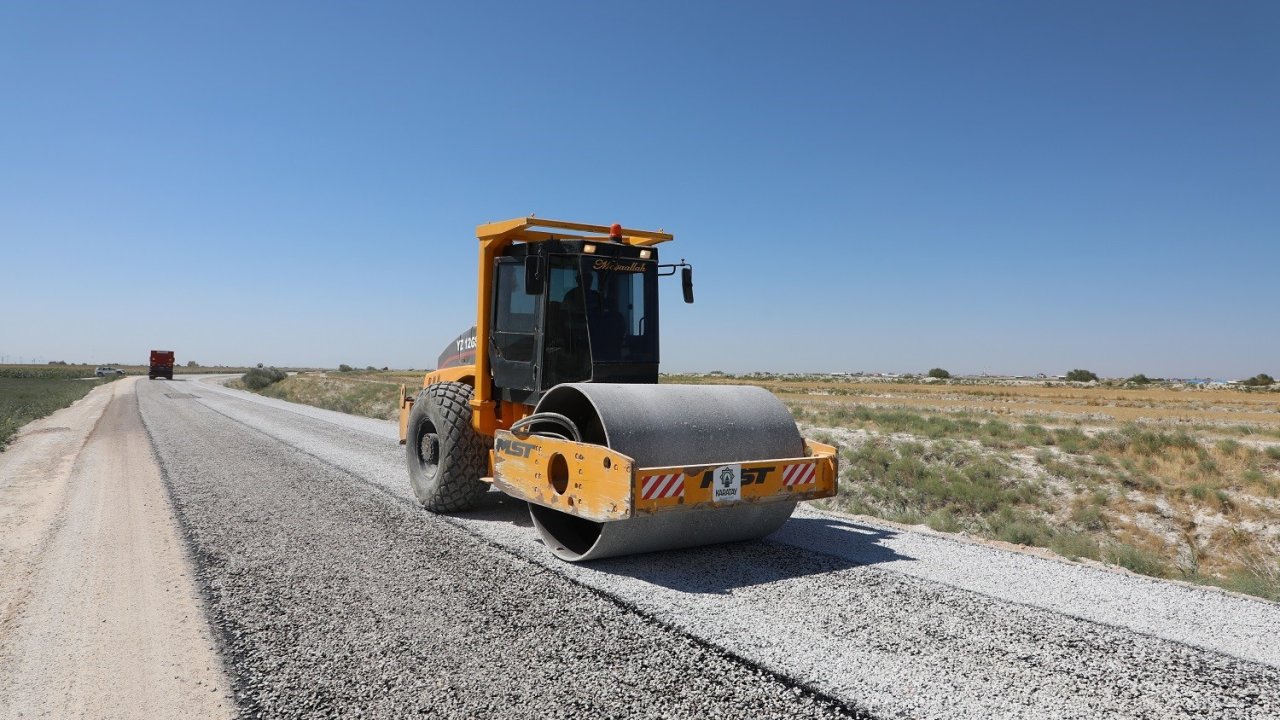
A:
(1137, 560)
(1229, 447)
(1246, 581)
(1078, 375)
(258, 378)
(1019, 528)
(345, 368)
(1259, 380)
(943, 521)
(1139, 379)
(1088, 517)
(1075, 545)
(1072, 440)
(939, 373)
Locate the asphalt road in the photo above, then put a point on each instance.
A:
(332, 594)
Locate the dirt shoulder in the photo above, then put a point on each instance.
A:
(99, 612)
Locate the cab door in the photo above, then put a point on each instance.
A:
(516, 316)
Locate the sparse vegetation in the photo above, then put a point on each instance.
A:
(1143, 562)
(1139, 497)
(1160, 481)
(1082, 376)
(1259, 380)
(374, 397)
(939, 373)
(345, 368)
(1139, 379)
(259, 377)
(923, 478)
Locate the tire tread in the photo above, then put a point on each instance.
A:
(458, 486)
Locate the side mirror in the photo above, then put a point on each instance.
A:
(533, 275)
(686, 283)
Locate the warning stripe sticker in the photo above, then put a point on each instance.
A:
(654, 487)
(799, 474)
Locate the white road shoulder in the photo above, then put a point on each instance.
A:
(100, 615)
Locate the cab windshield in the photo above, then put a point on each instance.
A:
(600, 310)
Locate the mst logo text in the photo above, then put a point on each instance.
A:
(514, 448)
(749, 476)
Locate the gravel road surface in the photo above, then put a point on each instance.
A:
(872, 619)
(335, 598)
(331, 594)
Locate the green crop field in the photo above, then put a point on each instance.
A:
(33, 391)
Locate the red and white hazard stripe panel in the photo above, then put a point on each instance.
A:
(799, 474)
(654, 487)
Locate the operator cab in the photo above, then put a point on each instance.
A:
(573, 311)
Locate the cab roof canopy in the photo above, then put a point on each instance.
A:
(536, 229)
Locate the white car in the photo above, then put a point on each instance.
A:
(104, 371)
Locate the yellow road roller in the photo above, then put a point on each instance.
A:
(553, 397)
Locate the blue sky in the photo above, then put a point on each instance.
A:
(1008, 187)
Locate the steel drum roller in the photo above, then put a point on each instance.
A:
(670, 425)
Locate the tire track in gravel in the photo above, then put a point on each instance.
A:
(332, 599)
(901, 645)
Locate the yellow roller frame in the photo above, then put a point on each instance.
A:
(596, 483)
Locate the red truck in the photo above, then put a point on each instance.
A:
(161, 364)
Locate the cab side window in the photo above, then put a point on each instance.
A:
(512, 339)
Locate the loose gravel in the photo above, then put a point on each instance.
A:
(334, 599)
(895, 623)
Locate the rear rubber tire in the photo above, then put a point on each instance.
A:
(445, 455)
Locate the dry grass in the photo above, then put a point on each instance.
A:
(1170, 483)
(1058, 400)
(374, 395)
